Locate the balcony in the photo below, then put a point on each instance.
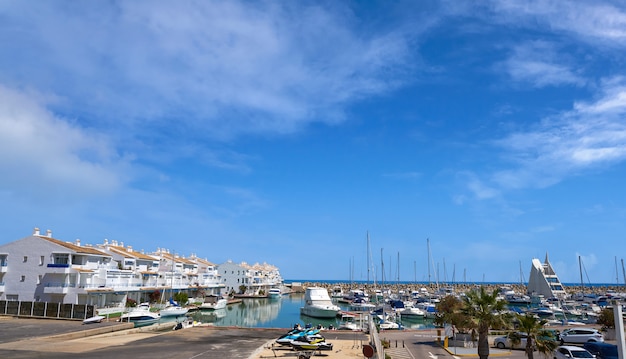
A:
(1, 287)
(58, 268)
(58, 288)
(3, 267)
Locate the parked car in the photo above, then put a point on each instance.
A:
(506, 342)
(602, 350)
(580, 336)
(570, 352)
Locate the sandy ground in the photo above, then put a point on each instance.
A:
(341, 349)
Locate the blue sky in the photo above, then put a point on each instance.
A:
(283, 132)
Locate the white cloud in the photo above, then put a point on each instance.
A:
(217, 68)
(479, 188)
(46, 156)
(537, 62)
(589, 136)
(597, 22)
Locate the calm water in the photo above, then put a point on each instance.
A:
(283, 312)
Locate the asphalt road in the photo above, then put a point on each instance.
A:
(422, 344)
(30, 338)
(26, 338)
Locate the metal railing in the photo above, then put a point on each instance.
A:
(47, 310)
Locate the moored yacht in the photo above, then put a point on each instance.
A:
(317, 304)
(214, 302)
(141, 315)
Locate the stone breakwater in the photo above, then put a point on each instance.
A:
(457, 288)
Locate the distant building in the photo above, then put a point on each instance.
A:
(254, 279)
(544, 281)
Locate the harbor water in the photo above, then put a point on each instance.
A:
(281, 312)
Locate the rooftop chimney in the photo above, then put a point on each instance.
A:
(36, 232)
(78, 242)
(48, 233)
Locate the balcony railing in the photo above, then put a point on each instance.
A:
(58, 265)
(58, 288)
(59, 284)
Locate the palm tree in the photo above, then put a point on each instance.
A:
(449, 312)
(486, 311)
(537, 337)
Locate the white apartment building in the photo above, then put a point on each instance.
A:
(256, 279)
(42, 268)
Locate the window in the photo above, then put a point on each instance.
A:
(39, 279)
(41, 260)
(61, 258)
(23, 278)
(25, 259)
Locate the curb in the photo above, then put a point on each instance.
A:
(474, 355)
(91, 332)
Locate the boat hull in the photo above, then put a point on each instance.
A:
(220, 304)
(173, 311)
(319, 312)
(317, 304)
(94, 319)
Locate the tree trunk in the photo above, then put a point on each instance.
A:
(529, 348)
(483, 342)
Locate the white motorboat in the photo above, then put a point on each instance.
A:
(214, 302)
(275, 292)
(337, 292)
(350, 322)
(141, 315)
(317, 304)
(411, 312)
(388, 325)
(173, 311)
(94, 319)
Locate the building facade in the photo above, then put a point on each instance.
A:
(41, 268)
(544, 281)
(244, 279)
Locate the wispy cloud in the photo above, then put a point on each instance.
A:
(43, 156)
(479, 188)
(216, 68)
(591, 135)
(539, 63)
(597, 22)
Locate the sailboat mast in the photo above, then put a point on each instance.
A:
(428, 255)
(580, 268)
(368, 257)
(398, 265)
(382, 269)
(453, 273)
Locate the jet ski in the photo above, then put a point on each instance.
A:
(308, 343)
(296, 334)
